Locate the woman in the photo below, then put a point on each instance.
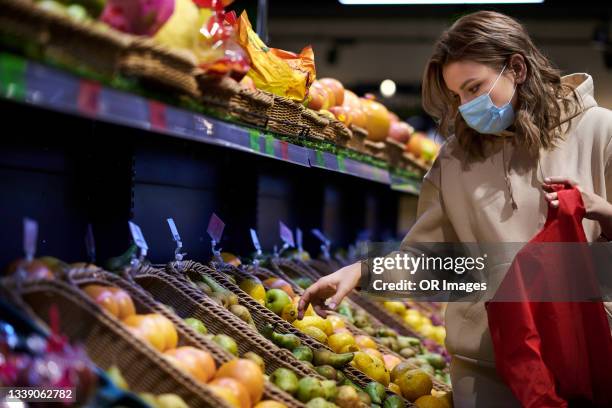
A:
(513, 126)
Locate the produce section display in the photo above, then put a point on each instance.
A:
(197, 55)
(223, 333)
(231, 330)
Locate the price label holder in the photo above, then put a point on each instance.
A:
(325, 242)
(140, 242)
(178, 254)
(286, 236)
(215, 232)
(257, 245)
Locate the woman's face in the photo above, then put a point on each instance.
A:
(468, 80)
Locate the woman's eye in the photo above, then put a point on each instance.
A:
(474, 89)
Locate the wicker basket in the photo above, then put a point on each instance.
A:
(263, 316)
(395, 152)
(286, 269)
(24, 26)
(252, 106)
(187, 336)
(156, 65)
(338, 133)
(92, 46)
(228, 96)
(188, 301)
(376, 149)
(416, 162)
(285, 117)
(359, 137)
(88, 45)
(316, 124)
(108, 343)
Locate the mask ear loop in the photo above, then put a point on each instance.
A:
(497, 79)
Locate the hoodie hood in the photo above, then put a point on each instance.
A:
(583, 85)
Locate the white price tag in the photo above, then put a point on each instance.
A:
(298, 238)
(286, 235)
(175, 235)
(255, 240)
(138, 237)
(30, 237)
(317, 233)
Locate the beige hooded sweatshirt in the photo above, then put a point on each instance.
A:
(500, 199)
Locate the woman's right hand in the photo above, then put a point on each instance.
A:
(335, 286)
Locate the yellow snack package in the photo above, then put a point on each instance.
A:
(277, 71)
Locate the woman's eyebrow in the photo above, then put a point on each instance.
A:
(467, 81)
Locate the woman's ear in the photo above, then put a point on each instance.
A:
(519, 68)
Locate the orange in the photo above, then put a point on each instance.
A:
(124, 303)
(103, 297)
(364, 341)
(226, 395)
(270, 404)
(198, 363)
(246, 372)
(237, 388)
(168, 329)
(146, 328)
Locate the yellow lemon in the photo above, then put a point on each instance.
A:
(336, 321)
(338, 341)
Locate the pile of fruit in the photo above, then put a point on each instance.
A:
(222, 45)
(239, 381)
(361, 351)
(167, 400)
(329, 97)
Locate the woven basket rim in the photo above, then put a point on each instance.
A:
(68, 290)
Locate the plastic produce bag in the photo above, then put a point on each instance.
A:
(140, 17)
(218, 50)
(277, 71)
(552, 354)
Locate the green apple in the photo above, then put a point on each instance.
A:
(196, 325)
(227, 343)
(276, 300)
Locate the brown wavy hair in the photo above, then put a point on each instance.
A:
(491, 38)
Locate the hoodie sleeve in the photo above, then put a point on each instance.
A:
(432, 223)
(608, 169)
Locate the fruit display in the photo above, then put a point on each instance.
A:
(216, 47)
(332, 348)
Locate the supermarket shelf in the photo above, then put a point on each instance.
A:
(35, 84)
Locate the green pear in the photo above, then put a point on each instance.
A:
(309, 388)
(285, 379)
(303, 353)
(227, 343)
(196, 325)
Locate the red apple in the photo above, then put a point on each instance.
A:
(400, 131)
(336, 87)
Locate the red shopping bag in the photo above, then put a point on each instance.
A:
(552, 354)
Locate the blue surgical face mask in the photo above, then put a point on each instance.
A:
(482, 115)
